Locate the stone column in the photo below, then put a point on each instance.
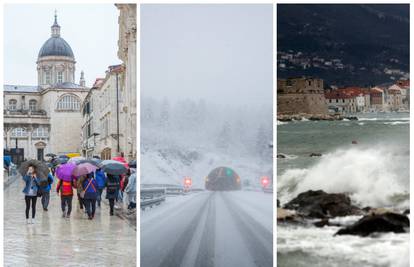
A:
(8, 135)
(29, 141)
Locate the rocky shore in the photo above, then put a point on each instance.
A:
(314, 117)
(318, 208)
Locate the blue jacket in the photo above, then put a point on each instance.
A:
(27, 180)
(100, 178)
(91, 191)
(49, 183)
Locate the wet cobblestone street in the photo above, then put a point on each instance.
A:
(56, 241)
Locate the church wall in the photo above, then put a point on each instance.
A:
(65, 125)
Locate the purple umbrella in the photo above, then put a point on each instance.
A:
(83, 169)
(64, 171)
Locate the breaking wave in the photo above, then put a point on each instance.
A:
(396, 122)
(376, 177)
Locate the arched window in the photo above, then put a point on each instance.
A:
(32, 105)
(68, 102)
(40, 132)
(18, 132)
(48, 77)
(60, 77)
(12, 104)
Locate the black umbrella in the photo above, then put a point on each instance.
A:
(42, 170)
(113, 167)
(132, 164)
(51, 155)
(94, 162)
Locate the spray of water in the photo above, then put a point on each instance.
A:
(376, 176)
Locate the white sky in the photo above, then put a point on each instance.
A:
(90, 29)
(222, 53)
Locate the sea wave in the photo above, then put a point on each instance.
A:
(282, 122)
(384, 119)
(320, 245)
(396, 122)
(376, 176)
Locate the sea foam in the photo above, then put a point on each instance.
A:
(376, 176)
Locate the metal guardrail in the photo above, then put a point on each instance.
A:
(268, 189)
(151, 197)
(155, 194)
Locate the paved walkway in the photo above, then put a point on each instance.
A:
(56, 241)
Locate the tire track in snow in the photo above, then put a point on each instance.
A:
(206, 251)
(176, 255)
(257, 238)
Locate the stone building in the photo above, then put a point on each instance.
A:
(300, 95)
(104, 127)
(45, 118)
(341, 102)
(377, 99)
(109, 110)
(127, 52)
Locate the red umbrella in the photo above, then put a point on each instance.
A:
(83, 169)
(122, 160)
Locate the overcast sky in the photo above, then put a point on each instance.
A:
(91, 31)
(217, 52)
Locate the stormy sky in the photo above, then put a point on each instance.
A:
(221, 53)
(90, 29)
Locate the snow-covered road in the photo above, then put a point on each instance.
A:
(209, 229)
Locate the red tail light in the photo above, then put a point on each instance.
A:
(265, 181)
(187, 181)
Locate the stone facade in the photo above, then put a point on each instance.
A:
(46, 118)
(127, 52)
(300, 95)
(100, 128)
(109, 126)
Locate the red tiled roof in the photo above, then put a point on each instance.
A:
(404, 83)
(337, 94)
(98, 82)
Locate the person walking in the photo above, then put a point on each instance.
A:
(65, 188)
(30, 191)
(89, 194)
(100, 179)
(112, 189)
(46, 192)
(79, 182)
(131, 190)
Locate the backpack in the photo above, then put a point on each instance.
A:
(112, 185)
(43, 182)
(66, 188)
(89, 185)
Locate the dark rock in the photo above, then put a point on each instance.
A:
(315, 155)
(314, 118)
(366, 209)
(280, 156)
(325, 222)
(406, 212)
(284, 119)
(387, 222)
(319, 204)
(352, 118)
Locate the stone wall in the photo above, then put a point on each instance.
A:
(301, 103)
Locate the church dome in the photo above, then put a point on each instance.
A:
(56, 46)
